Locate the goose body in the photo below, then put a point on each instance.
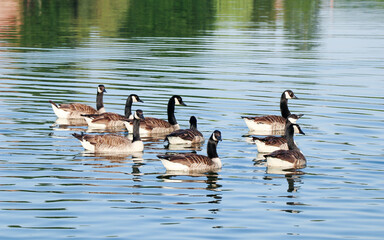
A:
(112, 120)
(272, 123)
(186, 136)
(153, 125)
(75, 110)
(195, 162)
(113, 143)
(273, 143)
(291, 158)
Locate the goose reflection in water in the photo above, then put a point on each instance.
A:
(292, 176)
(211, 180)
(109, 160)
(80, 125)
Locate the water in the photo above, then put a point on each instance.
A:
(226, 59)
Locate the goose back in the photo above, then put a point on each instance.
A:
(271, 123)
(112, 120)
(291, 158)
(186, 136)
(75, 110)
(191, 161)
(113, 143)
(153, 125)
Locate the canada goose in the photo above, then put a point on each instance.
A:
(158, 126)
(186, 136)
(113, 143)
(191, 161)
(272, 122)
(74, 110)
(273, 143)
(291, 158)
(112, 120)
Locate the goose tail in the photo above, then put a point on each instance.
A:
(53, 103)
(78, 136)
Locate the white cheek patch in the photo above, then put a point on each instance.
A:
(287, 96)
(99, 90)
(214, 137)
(177, 102)
(135, 99)
(292, 120)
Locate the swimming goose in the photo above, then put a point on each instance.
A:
(272, 123)
(195, 162)
(273, 143)
(291, 158)
(158, 126)
(112, 120)
(186, 136)
(74, 110)
(113, 143)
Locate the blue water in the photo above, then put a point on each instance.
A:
(332, 60)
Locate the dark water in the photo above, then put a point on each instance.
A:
(226, 59)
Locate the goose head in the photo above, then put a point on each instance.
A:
(101, 89)
(294, 117)
(135, 98)
(216, 136)
(178, 100)
(289, 94)
(139, 114)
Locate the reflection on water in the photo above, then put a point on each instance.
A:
(226, 59)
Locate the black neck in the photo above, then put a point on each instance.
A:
(99, 100)
(284, 106)
(211, 148)
(171, 112)
(289, 132)
(136, 130)
(128, 107)
(193, 126)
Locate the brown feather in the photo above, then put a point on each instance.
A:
(186, 134)
(272, 140)
(190, 159)
(106, 139)
(78, 107)
(269, 119)
(293, 156)
(150, 123)
(107, 118)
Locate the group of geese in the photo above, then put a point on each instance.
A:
(279, 151)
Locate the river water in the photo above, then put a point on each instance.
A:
(226, 59)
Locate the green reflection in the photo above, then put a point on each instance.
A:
(69, 23)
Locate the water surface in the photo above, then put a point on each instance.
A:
(226, 59)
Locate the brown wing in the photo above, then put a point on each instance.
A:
(186, 134)
(191, 160)
(291, 156)
(269, 119)
(78, 107)
(107, 117)
(151, 123)
(106, 139)
(272, 140)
